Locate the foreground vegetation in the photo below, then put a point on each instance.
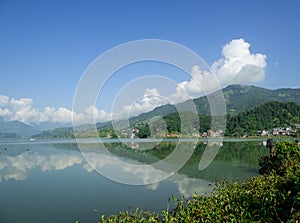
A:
(273, 197)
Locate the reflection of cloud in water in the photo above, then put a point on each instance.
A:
(16, 167)
(188, 186)
(119, 171)
(153, 186)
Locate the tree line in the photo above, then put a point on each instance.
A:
(266, 117)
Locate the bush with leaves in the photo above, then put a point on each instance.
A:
(273, 197)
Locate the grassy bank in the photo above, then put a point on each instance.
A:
(272, 197)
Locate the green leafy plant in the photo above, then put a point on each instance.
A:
(272, 197)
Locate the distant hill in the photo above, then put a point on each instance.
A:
(50, 125)
(8, 135)
(159, 111)
(67, 132)
(63, 132)
(18, 128)
(238, 98)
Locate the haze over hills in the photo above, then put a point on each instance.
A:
(18, 129)
(238, 98)
(8, 129)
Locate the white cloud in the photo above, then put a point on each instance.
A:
(4, 112)
(3, 100)
(238, 65)
(93, 113)
(12, 109)
(150, 100)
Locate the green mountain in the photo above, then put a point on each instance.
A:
(265, 117)
(238, 98)
(270, 108)
(269, 116)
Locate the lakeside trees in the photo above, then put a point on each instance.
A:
(273, 197)
(266, 117)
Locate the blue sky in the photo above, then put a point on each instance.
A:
(45, 46)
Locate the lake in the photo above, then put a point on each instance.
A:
(59, 181)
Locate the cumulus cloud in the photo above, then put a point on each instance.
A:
(12, 109)
(237, 65)
(95, 114)
(3, 100)
(150, 100)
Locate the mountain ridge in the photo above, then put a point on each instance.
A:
(238, 98)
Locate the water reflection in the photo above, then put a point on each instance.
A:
(17, 161)
(16, 167)
(209, 154)
(233, 160)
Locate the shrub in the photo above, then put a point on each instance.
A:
(273, 197)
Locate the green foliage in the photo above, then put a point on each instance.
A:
(107, 133)
(249, 122)
(265, 117)
(144, 130)
(269, 198)
(173, 122)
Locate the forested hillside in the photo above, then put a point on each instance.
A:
(249, 110)
(265, 117)
(238, 98)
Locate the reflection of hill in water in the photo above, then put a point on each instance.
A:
(66, 146)
(233, 160)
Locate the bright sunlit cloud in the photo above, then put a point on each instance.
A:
(237, 65)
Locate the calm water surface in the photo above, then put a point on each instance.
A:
(50, 180)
